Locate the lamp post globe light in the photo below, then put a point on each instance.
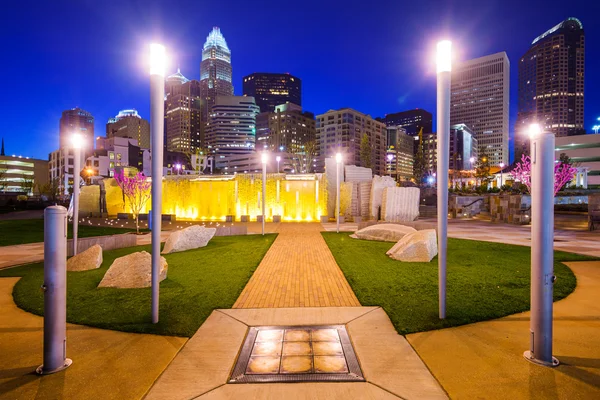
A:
(77, 143)
(390, 157)
(444, 67)
(278, 158)
(338, 162)
(264, 157)
(542, 251)
(501, 165)
(157, 114)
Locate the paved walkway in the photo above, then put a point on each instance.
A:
(485, 360)
(106, 364)
(297, 271)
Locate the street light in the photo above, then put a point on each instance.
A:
(77, 142)
(444, 67)
(338, 162)
(390, 157)
(542, 252)
(501, 168)
(264, 157)
(178, 168)
(157, 117)
(278, 159)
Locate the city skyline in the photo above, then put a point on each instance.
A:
(405, 78)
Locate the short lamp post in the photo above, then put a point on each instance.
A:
(390, 157)
(277, 159)
(264, 157)
(77, 142)
(502, 165)
(444, 67)
(157, 116)
(542, 251)
(338, 162)
(178, 168)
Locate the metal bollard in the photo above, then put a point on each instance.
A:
(55, 291)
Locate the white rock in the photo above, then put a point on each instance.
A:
(189, 238)
(400, 204)
(383, 232)
(420, 246)
(133, 271)
(376, 196)
(86, 260)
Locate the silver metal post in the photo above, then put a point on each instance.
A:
(542, 251)
(157, 111)
(76, 178)
(337, 196)
(55, 291)
(443, 159)
(264, 192)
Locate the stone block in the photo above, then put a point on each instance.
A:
(133, 271)
(192, 237)
(420, 246)
(384, 232)
(86, 260)
(276, 218)
(245, 218)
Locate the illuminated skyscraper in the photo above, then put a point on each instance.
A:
(551, 82)
(232, 126)
(78, 121)
(129, 124)
(184, 131)
(271, 90)
(215, 70)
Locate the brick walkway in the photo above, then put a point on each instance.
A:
(297, 271)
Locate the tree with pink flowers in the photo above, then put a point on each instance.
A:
(136, 190)
(563, 173)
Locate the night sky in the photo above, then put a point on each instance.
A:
(376, 57)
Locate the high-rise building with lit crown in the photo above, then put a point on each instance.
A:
(129, 124)
(78, 121)
(215, 70)
(184, 130)
(480, 100)
(551, 83)
(271, 89)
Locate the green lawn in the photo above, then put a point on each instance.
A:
(485, 280)
(198, 281)
(21, 231)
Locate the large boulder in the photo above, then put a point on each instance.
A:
(133, 271)
(420, 246)
(86, 260)
(189, 238)
(383, 232)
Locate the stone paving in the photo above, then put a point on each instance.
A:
(297, 271)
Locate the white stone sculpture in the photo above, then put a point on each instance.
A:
(383, 232)
(400, 204)
(379, 183)
(133, 271)
(420, 246)
(192, 237)
(86, 260)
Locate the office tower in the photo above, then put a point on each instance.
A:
(114, 154)
(343, 130)
(480, 100)
(215, 70)
(463, 147)
(129, 124)
(287, 129)
(232, 126)
(22, 175)
(551, 84)
(78, 121)
(411, 120)
(400, 148)
(184, 130)
(270, 89)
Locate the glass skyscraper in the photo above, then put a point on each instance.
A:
(215, 70)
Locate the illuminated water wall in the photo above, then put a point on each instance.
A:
(293, 197)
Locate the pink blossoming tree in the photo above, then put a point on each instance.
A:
(136, 190)
(563, 173)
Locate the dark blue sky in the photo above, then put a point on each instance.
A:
(376, 57)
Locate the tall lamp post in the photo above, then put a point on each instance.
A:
(542, 251)
(277, 159)
(77, 142)
(338, 162)
(501, 168)
(444, 66)
(390, 157)
(157, 116)
(264, 157)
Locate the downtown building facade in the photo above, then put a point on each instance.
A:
(22, 175)
(215, 71)
(411, 120)
(272, 89)
(342, 131)
(113, 154)
(287, 128)
(184, 129)
(232, 126)
(400, 153)
(551, 84)
(480, 93)
(129, 124)
(463, 148)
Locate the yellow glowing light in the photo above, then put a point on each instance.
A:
(444, 56)
(158, 59)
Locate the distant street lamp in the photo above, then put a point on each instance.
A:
(264, 158)
(338, 162)
(89, 172)
(542, 252)
(157, 118)
(77, 142)
(278, 159)
(501, 168)
(444, 67)
(596, 128)
(178, 168)
(390, 157)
